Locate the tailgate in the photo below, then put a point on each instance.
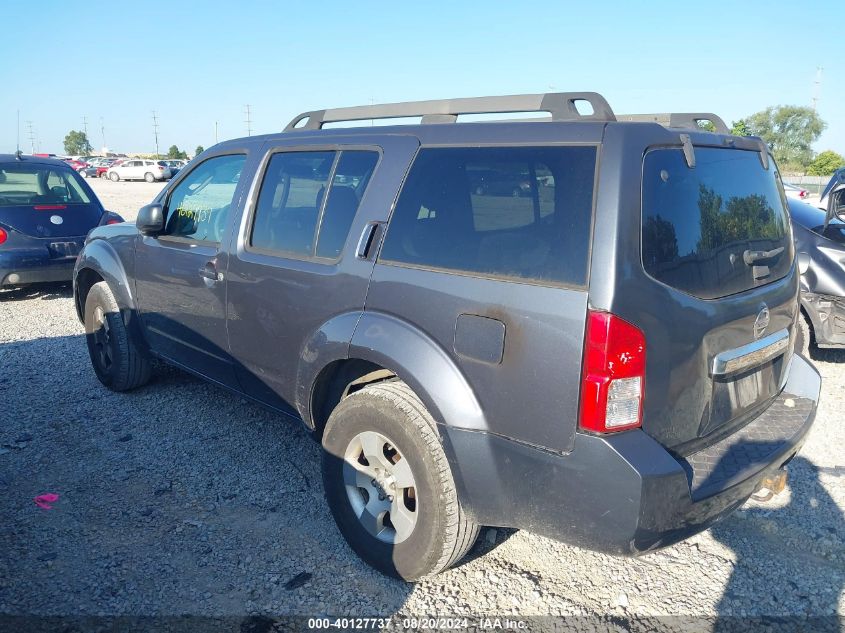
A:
(53, 220)
(718, 256)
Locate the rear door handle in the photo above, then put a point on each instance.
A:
(365, 242)
(209, 271)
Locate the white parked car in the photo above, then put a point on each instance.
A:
(139, 169)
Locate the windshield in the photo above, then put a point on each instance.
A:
(24, 184)
(718, 228)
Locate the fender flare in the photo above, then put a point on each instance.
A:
(423, 364)
(101, 257)
(327, 344)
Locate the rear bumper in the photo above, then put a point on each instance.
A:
(17, 269)
(626, 494)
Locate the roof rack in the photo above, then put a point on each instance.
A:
(560, 105)
(680, 120)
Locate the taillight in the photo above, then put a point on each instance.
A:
(113, 221)
(3, 235)
(613, 378)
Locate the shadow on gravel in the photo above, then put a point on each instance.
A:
(37, 291)
(789, 567)
(827, 355)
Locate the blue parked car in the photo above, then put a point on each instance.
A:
(46, 210)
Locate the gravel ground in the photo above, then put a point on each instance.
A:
(183, 499)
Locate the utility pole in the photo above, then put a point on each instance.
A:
(85, 125)
(31, 137)
(155, 130)
(248, 121)
(215, 132)
(18, 148)
(817, 87)
(103, 132)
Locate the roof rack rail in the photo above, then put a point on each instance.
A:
(560, 105)
(681, 120)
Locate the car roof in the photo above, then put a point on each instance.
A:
(33, 160)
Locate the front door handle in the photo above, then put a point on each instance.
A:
(209, 271)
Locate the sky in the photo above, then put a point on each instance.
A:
(198, 64)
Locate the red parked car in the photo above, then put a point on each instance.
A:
(76, 165)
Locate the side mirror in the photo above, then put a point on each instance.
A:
(838, 200)
(150, 219)
(835, 205)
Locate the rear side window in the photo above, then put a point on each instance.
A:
(308, 201)
(513, 212)
(716, 229)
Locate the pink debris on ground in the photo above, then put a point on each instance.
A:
(44, 501)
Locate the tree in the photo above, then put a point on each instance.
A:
(199, 150)
(789, 132)
(175, 152)
(825, 164)
(76, 144)
(740, 128)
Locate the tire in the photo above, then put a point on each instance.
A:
(117, 361)
(440, 532)
(114, 177)
(803, 336)
(149, 177)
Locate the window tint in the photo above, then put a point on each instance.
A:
(289, 201)
(351, 178)
(292, 203)
(700, 224)
(200, 204)
(512, 212)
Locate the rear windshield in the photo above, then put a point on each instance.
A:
(718, 228)
(25, 185)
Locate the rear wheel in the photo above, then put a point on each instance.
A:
(114, 177)
(389, 485)
(149, 177)
(118, 363)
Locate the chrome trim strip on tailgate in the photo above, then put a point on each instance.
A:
(752, 354)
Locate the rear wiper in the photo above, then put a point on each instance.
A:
(752, 257)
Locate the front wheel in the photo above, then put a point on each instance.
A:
(389, 485)
(149, 177)
(118, 363)
(114, 177)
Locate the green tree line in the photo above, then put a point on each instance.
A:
(790, 132)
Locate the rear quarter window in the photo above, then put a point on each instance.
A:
(718, 228)
(521, 213)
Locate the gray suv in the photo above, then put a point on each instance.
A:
(595, 344)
